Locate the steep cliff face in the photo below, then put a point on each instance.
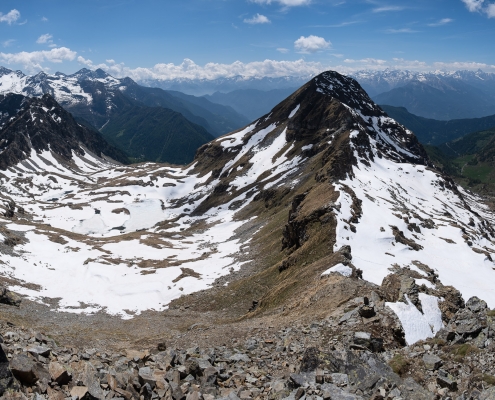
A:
(40, 124)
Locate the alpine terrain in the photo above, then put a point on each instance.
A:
(125, 112)
(315, 253)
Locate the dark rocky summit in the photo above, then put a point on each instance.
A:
(40, 124)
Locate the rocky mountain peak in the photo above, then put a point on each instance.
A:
(348, 91)
(40, 124)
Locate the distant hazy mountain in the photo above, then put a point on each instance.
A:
(252, 103)
(376, 82)
(438, 95)
(435, 132)
(201, 87)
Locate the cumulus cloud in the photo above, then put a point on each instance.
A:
(46, 38)
(480, 6)
(311, 44)
(490, 10)
(257, 19)
(32, 60)
(284, 3)
(443, 21)
(188, 69)
(11, 17)
(282, 50)
(474, 5)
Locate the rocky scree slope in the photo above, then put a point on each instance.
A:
(323, 200)
(40, 124)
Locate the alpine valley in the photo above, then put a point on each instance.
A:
(315, 253)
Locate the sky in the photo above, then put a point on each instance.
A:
(209, 39)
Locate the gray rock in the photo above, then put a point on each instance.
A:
(39, 351)
(445, 380)
(476, 305)
(332, 392)
(304, 379)
(22, 368)
(432, 362)
(239, 357)
(6, 378)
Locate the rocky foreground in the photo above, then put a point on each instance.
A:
(343, 357)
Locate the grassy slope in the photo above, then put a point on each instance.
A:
(470, 159)
(435, 132)
(156, 134)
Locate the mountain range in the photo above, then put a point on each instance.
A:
(436, 132)
(437, 95)
(323, 221)
(115, 106)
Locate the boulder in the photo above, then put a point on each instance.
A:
(432, 362)
(22, 368)
(58, 373)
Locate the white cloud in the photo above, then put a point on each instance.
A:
(490, 10)
(32, 60)
(311, 44)
(401, 30)
(479, 6)
(188, 69)
(473, 5)
(8, 43)
(257, 19)
(443, 21)
(284, 3)
(387, 9)
(282, 50)
(11, 17)
(44, 19)
(46, 38)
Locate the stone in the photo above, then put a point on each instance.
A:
(299, 393)
(146, 377)
(445, 380)
(6, 378)
(476, 305)
(303, 379)
(58, 373)
(366, 311)
(9, 298)
(332, 392)
(340, 379)
(22, 368)
(39, 351)
(239, 357)
(54, 394)
(210, 375)
(78, 392)
(432, 362)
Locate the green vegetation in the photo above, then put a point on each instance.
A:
(460, 351)
(399, 364)
(470, 160)
(155, 134)
(436, 132)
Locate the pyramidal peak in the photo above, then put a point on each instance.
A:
(325, 188)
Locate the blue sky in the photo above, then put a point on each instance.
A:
(215, 38)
